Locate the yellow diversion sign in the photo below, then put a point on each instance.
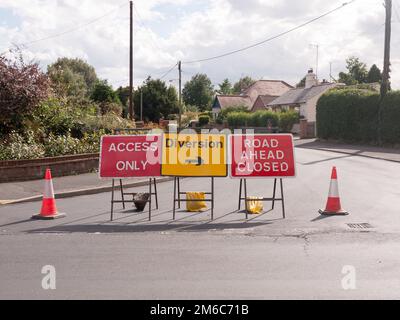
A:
(194, 155)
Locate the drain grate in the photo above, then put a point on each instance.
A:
(359, 225)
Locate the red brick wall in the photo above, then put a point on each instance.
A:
(20, 170)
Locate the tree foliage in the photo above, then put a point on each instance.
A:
(374, 74)
(198, 92)
(159, 101)
(357, 73)
(243, 84)
(72, 78)
(225, 87)
(302, 83)
(22, 87)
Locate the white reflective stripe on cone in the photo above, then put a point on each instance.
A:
(48, 190)
(334, 189)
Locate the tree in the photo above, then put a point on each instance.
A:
(243, 84)
(103, 92)
(159, 101)
(225, 87)
(302, 83)
(123, 95)
(22, 87)
(107, 98)
(72, 78)
(374, 74)
(357, 72)
(198, 92)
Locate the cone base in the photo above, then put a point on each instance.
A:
(52, 217)
(327, 213)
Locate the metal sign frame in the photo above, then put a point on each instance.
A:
(178, 193)
(225, 155)
(230, 157)
(160, 135)
(243, 182)
(152, 181)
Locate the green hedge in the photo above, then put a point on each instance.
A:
(204, 120)
(283, 120)
(352, 115)
(391, 118)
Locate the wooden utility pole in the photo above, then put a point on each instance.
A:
(386, 66)
(180, 94)
(141, 105)
(386, 63)
(131, 113)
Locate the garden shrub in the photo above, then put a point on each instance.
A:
(348, 115)
(204, 120)
(287, 120)
(18, 147)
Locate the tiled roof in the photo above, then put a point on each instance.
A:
(267, 99)
(234, 101)
(267, 87)
(249, 96)
(300, 95)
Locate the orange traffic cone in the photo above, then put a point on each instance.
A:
(333, 206)
(49, 209)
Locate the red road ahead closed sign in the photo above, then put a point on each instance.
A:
(130, 156)
(262, 155)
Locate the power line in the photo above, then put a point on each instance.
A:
(168, 72)
(72, 29)
(271, 38)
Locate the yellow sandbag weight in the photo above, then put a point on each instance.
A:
(195, 206)
(254, 205)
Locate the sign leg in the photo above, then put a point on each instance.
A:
(240, 193)
(155, 192)
(173, 210)
(112, 200)
(274, 195)
(179, 193)
(150, 199)
(245, 198)
(283, 201)
(122, 193)
(212, 198)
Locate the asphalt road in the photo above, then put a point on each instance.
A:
(301, 257)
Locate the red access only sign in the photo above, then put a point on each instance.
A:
(262, 155)
(130, 156)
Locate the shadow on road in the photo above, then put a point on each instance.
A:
(332, 158)
(320, 217)
(232, 220)
(181, 227)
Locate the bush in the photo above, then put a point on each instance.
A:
(261, 119)
(204, 120)
(110, 107)
(391, 118)
(348, 115)
(223, 115)
(22, 87)
(257, 119)
(61, 145)
(238, 119)
(17, 147)
(287, 120)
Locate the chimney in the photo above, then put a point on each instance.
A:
(311, 79)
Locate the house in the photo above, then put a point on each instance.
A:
(304, 100)
(254, 97)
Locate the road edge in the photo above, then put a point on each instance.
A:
(81, 192)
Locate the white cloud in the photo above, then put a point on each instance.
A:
(169, 30)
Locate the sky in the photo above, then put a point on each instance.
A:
(166, 31)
